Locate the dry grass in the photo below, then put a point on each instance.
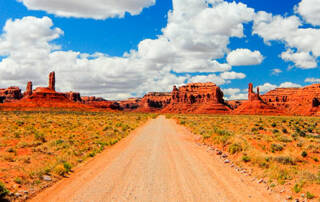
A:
(36, 144)
(283, 150)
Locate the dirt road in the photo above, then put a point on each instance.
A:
(160, 162)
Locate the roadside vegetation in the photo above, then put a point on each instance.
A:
(284, 151)
(38, 148)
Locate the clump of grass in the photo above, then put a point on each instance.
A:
(304, 154)
(276, 147)
(286, 160)
(235, 148)
(18, 180)
(310, 195)
(297, 188)
(246, 159)
(3, 190)
(67, 166)
(60, 170)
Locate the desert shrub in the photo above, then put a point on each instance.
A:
(274, 125)
(282, 176)
(284, 160)
(154, 116)
(59, 141)
(309, 195)
(3, 190)
(276, 147)
(246, 158)
(284, 139)
(40, 137)
(18, 180)
(284, 130)
(235, 148)
(92, 154)
(304, 154)
(274, 131)
(60, 170)
(297, 188)
(182, 122)
(67, 166)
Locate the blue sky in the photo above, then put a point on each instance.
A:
(119, 51)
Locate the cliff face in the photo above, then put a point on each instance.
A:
(10, 94)
(154, 101)
(298, 101)
(256, 105)
(197, 98)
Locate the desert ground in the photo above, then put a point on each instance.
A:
(78, 156)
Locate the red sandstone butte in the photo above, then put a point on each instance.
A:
(295, 101)
(98, 102)
(255, 105)
(10, 94)
(45, 97)
(130, 104)
(154, 101)
(197, 98)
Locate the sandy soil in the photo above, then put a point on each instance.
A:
(159, 162)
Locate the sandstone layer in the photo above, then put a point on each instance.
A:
(296, 101)
(197, 98)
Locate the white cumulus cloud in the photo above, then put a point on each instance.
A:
(243, 57)
(310, 11)
(96, 9)
(301, 59)
(290, 31)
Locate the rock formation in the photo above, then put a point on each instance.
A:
(154, 101)
(101, 103)
(10, 94)
(197, 98)
(130, 104)
(52, 81)
(74, 96)
(255, 105)
(28, 91)
(296, 101)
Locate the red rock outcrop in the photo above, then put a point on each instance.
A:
(10, 94)
(255, 105)
(43, 97)
(52, 81)
(101, 103)
(130, 104)
(296, 101)
(28, 91)
(197, 98)
(154, 101)
(74, 96)
(234, 104)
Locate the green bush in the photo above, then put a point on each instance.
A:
(67, 166)
(309, 195)
(276, 147)
(304, 154)
(3, 190)
(297, 188)
(235, 148)
(60, 170)
(246, 158)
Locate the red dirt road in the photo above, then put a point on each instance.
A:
(158, 162)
